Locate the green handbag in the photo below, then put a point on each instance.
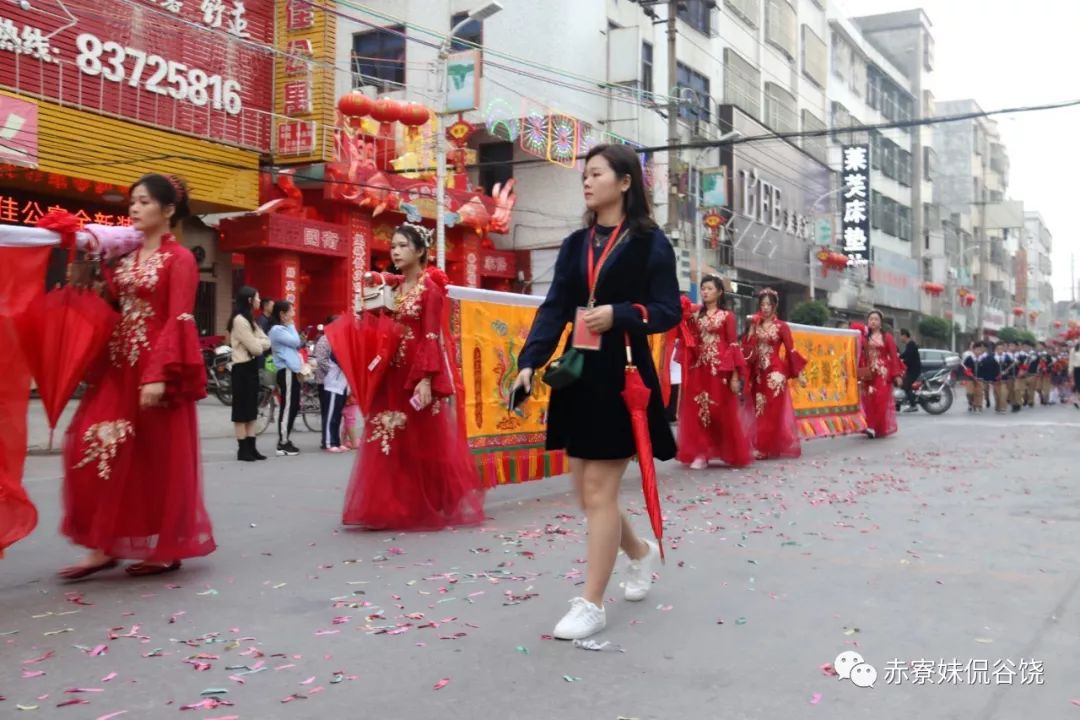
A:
(565, 371)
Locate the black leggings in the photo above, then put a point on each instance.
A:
(288, 384)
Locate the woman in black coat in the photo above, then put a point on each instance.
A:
(634, 291)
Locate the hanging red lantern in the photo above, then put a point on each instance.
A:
(1057, 323)
(1018, 311)
(932, 288)
(969, 300)
(355, 104)
(413, 116)
(386, 110)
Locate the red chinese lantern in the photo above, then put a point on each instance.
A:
(1018, 311)
(413, 116)
(932, 288)
(969, 299)
(355, 104)
(386, 110)
(1057, 323)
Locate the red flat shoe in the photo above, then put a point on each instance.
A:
(78, 572)
(147, 569)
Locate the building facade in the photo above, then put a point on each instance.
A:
(1038, 246)
(867, 88)
(96, 96)
(607, 80)
(972, 183)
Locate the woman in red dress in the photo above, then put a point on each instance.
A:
(414, 471)
(775, 433)
(879, 369)
(711, 420)
(132, 472)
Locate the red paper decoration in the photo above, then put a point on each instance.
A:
(386, 110)
(355, 104)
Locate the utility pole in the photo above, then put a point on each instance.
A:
(673, 122)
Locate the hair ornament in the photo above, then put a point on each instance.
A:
(178, 187)
(423, 232)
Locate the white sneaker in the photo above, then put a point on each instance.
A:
(583, 620)
(639, 574)
(699, 464)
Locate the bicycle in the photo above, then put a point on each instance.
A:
(270, 401)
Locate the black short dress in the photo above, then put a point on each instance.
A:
(589, 418)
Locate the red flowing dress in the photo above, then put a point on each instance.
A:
(879, 354)
(775, 433)
(415, 470)
(712, 421)
(133, 477)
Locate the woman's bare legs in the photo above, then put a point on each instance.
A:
(597, 485)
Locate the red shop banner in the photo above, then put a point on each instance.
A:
(189, 66)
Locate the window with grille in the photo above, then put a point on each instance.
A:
(903, 167)
(742, 84)
(697, 14)
(749, 11)
(469, 37)
(694, 106)
(379, 58)
(929, 163)
(815, 57)
(903, 222)
(780, 113)
(815, 146)
(782, 27)
(646, 67)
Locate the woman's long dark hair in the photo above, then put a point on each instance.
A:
(625, 161)
(280, 308)
(244, 306)
(721, 302)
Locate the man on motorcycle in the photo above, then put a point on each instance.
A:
(913, 363)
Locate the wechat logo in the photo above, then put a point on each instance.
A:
(850, 665)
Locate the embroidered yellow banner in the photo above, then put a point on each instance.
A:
(827, 403)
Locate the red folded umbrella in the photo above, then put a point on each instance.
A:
(364, 346)
(636, 396)
(61, 334)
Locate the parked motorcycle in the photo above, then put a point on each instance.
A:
(218, 372)
(933, 391)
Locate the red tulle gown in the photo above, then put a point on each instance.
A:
(415, 470)
(880, 356)
(133, 477)
(775, 434)
(711, 419)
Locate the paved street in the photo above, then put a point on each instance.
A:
(955, 539)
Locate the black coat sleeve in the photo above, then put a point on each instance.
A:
(662, 294)
(552, 316)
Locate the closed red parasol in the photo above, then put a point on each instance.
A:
(64, 332)
(364, 345)
(636, 396)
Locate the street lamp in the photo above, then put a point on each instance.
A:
(479, 15)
